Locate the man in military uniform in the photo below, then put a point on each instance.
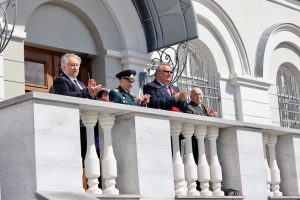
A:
(122, 93)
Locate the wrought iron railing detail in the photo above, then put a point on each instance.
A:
(8, 8)
(191, 69)
(174, 55)
(199, 73)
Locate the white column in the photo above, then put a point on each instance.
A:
(215, 167)
(178, 167)
(109, 163)
(275, 172)
(203, 167)
(268, 172)
(91, 161)
(189, 162)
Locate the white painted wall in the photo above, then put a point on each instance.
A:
(230, 33)
(252, 18)
(1, 78)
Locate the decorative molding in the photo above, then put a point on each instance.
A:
(130, 57)
(249, 81)
(215, 17)
(270, 39)
(293, 4)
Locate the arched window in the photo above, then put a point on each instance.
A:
(198, 73)
(288, 99)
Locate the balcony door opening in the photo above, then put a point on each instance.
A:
(42, 66)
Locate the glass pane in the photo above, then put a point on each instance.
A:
(198, 73)
(34, 73)
(288, 99)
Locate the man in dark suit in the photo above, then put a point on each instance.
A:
(122, 93)
(196, 107)
(67, 84)
(164, 95)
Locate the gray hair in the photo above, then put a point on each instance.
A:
(65, 59)
(161, 66)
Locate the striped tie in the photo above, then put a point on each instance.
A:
(78, 85)
(168, 89)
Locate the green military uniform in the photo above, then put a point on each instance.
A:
(119, 95)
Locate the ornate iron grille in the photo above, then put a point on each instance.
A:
(5, 29)
(190, 70)
(288, 99)
(198, 73)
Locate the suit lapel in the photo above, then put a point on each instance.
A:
(164, 90)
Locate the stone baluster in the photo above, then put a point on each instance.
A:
(215, 167)
(91, 162)
(268, 172)
(178, 166)
(109, 163)
(189, 162)
(275, 172)
(203, 167)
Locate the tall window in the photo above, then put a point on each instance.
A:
(198, 73)
(288, 99)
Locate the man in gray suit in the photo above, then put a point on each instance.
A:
(196, 107)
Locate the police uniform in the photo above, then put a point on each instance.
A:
(119, 95)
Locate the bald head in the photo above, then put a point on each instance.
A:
(196, 96)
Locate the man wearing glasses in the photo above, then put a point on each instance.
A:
(164, 95)
(122, 93)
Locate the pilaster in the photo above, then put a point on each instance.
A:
(251, 99)
(242, 159)
(144, 157)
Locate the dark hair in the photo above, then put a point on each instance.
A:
(101, 92)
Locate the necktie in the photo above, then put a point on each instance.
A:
(77, 84)
(168, 89)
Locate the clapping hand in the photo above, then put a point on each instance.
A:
(212, 113)
(181, 96)
(143, 100)
(93, 87)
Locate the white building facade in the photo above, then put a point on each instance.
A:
(254, 47)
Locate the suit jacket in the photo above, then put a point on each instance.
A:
(119, 95)
(161, 99)
(196, 109)
(63, 85)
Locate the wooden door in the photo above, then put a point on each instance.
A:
(43, 66)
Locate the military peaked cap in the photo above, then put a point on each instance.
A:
(126, 74)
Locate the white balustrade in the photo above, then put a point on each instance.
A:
(109, 163)
(178, 166)
(91, 161)
(203, 167)
(215, 167)
(189, 162)
(275, 172)
(268, 172)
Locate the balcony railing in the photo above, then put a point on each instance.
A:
(140, 152)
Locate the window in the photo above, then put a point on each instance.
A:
(288, 99)
(198, 73)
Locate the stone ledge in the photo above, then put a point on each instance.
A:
(285, 197)
(121, 196)
(211, 198)
(81, 196)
